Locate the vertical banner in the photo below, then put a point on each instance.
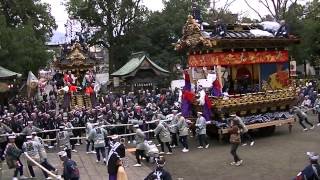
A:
(293, 68)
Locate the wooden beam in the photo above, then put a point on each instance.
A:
(289, 121)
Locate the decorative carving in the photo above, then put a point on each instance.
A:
(192, 36)
(76, 55)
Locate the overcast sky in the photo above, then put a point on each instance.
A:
(239, 6)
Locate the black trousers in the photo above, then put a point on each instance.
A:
(167, 144)
(140, 153)
(77, 132)
(174, 139)
(2, 148)
(48, 166)
(68, 151)
(88, 145)
(19, 169)
(158, 139)
(31, 171)
(103, 152)
(234, 147)
(246, 137)
(52, 135)
(306, 120)
(202, 139)
(319, 117)
(183, 140)
(130, 138)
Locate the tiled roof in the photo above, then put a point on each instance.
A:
(134, 63)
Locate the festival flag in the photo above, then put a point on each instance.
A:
(187, 83)
(187, 96)
(216, 88)
(32, 83)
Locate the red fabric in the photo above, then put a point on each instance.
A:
(186, 76)
(207, 101)
(216, 84)
(189, 96)
(89, 90)
(73, 88)
(67, 78)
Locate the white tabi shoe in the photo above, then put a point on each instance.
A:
(137, 165)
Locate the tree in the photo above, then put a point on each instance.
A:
(112, 19)
(309, 49)
(277, 8)
(29, 12)
(25, 25)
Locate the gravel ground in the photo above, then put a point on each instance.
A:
(278, 157)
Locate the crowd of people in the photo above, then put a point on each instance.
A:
(156, 111)
(160, 113)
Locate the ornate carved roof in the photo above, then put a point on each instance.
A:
(236, 36)
(75, 57)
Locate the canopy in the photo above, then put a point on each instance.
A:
(6, 73)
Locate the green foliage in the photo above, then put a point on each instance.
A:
(25, 26)
(29, 12)
(20, 50)
(113, 21)
(304, 21)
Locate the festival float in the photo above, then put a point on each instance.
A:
(75, 66)
(252, 67)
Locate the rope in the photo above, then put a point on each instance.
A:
(41, 167)
(111, 125)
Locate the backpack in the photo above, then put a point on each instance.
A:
(75, 170)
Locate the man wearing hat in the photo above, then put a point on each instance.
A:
(140, 146)
(70, 168)
(303, 117)
(245, 136)
(89, 127)
(159, 172)
(312, 171)
(32, 148)
(30, 128)
(43, 155)
(98, 135)
(182, 127)
(63, 139)
(67, 124)
(12, 155)
(116, 153)
(162, 130)
(173, 129)
(201, 129)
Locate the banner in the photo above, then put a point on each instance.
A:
(236, 58)
(293, 68)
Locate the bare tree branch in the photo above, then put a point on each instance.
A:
(253, 9)
(228, 4)
(266, 4)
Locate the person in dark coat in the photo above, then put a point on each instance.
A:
(159, 173)
(117, 152)
(312, 171)
(70, 168)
